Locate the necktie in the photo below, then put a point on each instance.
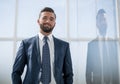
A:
(46, 68)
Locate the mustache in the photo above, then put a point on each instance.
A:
(47, 24)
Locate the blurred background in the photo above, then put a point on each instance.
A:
(76, 23)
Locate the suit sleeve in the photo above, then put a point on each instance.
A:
(19, 65)
(67, 67)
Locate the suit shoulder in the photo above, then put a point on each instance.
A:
(29, 40)
(61, 41)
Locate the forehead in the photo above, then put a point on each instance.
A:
(47, 14)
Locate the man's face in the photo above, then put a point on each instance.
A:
(102, 24)
(47, 22)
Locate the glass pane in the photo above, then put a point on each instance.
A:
(29, 11)
(86, 18)
(110, 11)
(82, 19)
(102, 63)
(6, 51)
(7, 16)
(83, 23)
(79, 53)
(73, 19)
(84, 53)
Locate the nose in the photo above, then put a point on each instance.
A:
(47, 20)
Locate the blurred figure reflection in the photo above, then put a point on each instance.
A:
(102, 56)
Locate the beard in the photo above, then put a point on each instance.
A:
(46, 29)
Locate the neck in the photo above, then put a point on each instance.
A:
(44, 33)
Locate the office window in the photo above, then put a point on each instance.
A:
(7, 16)
(83, 19)
(6, 61)
(28, 13)
(79, 52)
(75, 23)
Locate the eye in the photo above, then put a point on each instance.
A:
(44, 18)
(52, 19)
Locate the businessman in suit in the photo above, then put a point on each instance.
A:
(41, 70)
(102, 56)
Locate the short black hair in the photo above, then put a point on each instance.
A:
(47, 9)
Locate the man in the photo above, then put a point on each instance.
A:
(102, 56)
(41, 70)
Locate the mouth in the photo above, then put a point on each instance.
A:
(47, 25)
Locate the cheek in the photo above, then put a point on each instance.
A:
(53, 24)
(40, 22)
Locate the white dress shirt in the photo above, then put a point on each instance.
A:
(51, 48)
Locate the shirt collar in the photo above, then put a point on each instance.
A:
(41, 36)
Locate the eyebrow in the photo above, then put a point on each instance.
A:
(50, 16)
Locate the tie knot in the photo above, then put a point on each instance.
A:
(45, 38)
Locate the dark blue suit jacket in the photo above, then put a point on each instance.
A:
(29, 55)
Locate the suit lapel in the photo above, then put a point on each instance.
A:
(56, 50)
(37, 48)
(56, 58)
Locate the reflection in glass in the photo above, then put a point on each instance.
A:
(102, 56)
